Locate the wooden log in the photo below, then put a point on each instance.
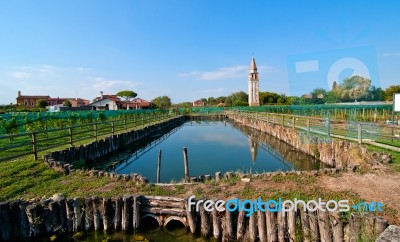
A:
(216, 223)
(163, 211)
(337, 227)
(160, 199)
(34, 212)
(5, 222)
(241, 225)
(127, 202)
(218, 176)
(162, 204)
(313, 221)
(282, 227)
(70, 215)
(118, 213)
(63, 212)
(186, 163)
(55, 212)
(355, 225)
(24, 222)
(136, 212)
(97, 213)
(253, 228)
(369, 225)
(305, 225)
(272, 229)
(324, 228)
(228, 231)
(291, 220)
(108, 214)
(205, 224)
(380, 225)
(89, 215)
(78, 214)
(191, 217)
(262, 228)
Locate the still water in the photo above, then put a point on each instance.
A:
(212, 146)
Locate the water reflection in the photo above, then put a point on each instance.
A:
(212, 146)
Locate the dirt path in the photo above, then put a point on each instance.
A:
(372, 187)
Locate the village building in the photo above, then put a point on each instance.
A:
(29, 101)
(198, 103)
(253, 84)
(113, 102)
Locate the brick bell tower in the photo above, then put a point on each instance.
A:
(253, 84)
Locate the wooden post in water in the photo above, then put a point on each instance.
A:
(159, 166)
(186, 163)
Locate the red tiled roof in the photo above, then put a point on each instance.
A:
(33, 97)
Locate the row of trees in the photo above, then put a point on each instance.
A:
(355, 88)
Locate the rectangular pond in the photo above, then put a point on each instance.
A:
(212, 146)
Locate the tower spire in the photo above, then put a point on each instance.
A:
(253, 84)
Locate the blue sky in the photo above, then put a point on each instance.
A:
(192, 49)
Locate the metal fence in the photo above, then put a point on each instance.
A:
(362, 132)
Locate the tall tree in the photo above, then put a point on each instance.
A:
(353, 88)
(126, 94)
(388, 94)
(42, 103)
(162, 102)
(67, 103)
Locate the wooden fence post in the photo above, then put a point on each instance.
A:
(293, 122)
(70, 134)
(95, 131)
(112, 127)
(308, 126)
(359, 133)
(34, 145)
(329, 127)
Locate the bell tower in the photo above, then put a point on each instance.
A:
(253, 84)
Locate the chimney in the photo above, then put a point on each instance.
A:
(101, 94)
(19, 93)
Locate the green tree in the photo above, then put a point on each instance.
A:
(11, 127)
(42, 103)
(67, 103)
(388, 94)
(330, 97)
(126, 94)
(162, 102)
(352, 88)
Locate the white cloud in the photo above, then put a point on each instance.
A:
(79, 68)
(392, 54)
(46, 69)
(230, 72)
(101, 84)
(20, 74)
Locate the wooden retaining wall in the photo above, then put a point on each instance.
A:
(331, 151)
(59, 215)
(64, 159)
